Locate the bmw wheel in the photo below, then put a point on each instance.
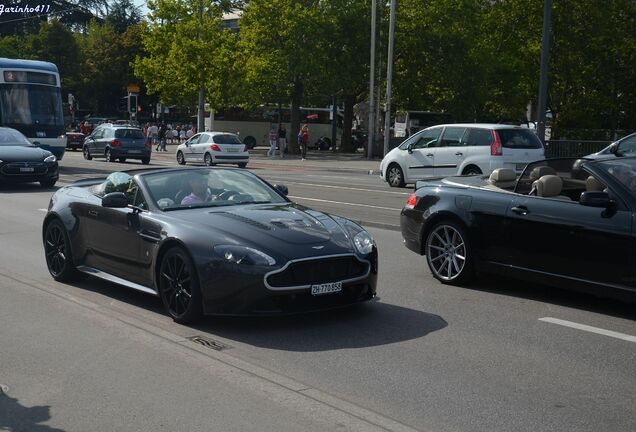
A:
(395, 175)
(180, 159)
(57, 250)
(448, 253)
(179, 286)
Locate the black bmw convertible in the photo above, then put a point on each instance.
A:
(208, 241)
(563, 222)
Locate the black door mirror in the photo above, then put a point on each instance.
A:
(595, 199)
(282, 189)
(615, 150)
(115, 200)
(409, 148)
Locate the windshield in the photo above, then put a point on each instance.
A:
(192, 188)
(28, 104)
(11, 137)
(227, 139)
(624, 171)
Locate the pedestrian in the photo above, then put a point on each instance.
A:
(153, 134)
(273, 138)
(162, 137)
(189, 133)
(182, 134)
(85, 128)
(304, 140)
(169, 135)
(282, 140)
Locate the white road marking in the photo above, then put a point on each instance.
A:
(341, 187)
(343, 203)
(43, 210)
(590, 329)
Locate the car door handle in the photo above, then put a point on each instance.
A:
(520, 210)
(430, 155)
(459, 154)
(93, 213)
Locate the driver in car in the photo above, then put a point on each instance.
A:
(625, 175)
(200, 194)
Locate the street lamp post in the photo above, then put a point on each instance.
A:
(371, 128)
(543, 78)
(389, 79)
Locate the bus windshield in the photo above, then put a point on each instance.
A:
(28, 104)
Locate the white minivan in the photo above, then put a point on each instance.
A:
(460, 149)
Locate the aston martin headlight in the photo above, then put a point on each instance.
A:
(243, 255)
(51, 158)
(363, 242)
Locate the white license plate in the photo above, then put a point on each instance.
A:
(233, 150)
(27, 169)
(326, 288)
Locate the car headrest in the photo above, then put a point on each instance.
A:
(593, 185)
(540, 171)
(503, 175)
(548, 186)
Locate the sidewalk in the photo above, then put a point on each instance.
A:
(325, 160)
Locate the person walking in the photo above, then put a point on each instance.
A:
(182, 134)
(153, 134)
(282, 140)
(304, 140)
(162, 137)
(273, 138)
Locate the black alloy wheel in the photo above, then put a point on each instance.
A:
(122, 160)
(208, 159)
(145, 161)
(179, 287)
(49, 183)
(395, 176)
(472, 170)
(57, 250)
(448, 253)
(180, 158)
(109, 156)
(87, 153)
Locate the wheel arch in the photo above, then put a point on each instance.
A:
(434, 220)
(399, 165)
(52, 216)
(470, 165)
(166, 245)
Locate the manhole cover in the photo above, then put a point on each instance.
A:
(4, 388)
(209, 343)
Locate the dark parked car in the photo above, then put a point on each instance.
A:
(117, 142)
(625, 146)
(23, 162)
(208, 240)
(564, 222)
(74, 140)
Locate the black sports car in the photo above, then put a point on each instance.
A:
(23, 162)
(564, 222)
(209, 240)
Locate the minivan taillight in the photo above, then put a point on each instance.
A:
(495, 147)
(115, 143)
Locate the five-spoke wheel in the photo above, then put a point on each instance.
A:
(179, 286)
(447, 253)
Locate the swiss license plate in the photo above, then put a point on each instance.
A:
(326, 288)
(232, 150)
(27, 169)
(134, 151)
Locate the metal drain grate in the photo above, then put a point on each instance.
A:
(209, 343)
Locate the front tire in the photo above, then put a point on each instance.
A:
(87, 153)
(179, 286)
(449, 254)
(49, 183)
(180, 158)
(395, 176)
(57, 250)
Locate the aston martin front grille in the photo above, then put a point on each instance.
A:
(317, 271)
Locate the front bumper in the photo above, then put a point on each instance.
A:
(131, 153)
(244, 291)
(10, 172)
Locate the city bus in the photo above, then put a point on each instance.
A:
(31, 102)
(253, 126)
(409, 122)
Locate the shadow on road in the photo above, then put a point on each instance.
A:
(17, 188)
(366, 325)
(16, 417)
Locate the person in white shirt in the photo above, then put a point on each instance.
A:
(189, 134)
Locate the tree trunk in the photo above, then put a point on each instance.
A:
(297, 94)
(347, 123)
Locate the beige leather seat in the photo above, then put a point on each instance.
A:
(549, 186)
(593, 185)
(540, 171)
(503, 178)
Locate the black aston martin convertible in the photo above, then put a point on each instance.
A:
(208, 241)
(564, 222)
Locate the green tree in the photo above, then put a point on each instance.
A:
(123, 14)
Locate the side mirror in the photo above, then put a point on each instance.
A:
(595, 199)
(282, 189)
(115, 200)
(614, 149)
(409, 148)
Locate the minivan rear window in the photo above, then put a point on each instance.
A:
(227, 139)
(129, 133)
(519, 139)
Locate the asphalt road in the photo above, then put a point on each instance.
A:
(501, 355)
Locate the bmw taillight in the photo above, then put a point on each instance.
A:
(215, 147)
(495, 147)
(115, 143)
(148, 144)
(412, 201)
